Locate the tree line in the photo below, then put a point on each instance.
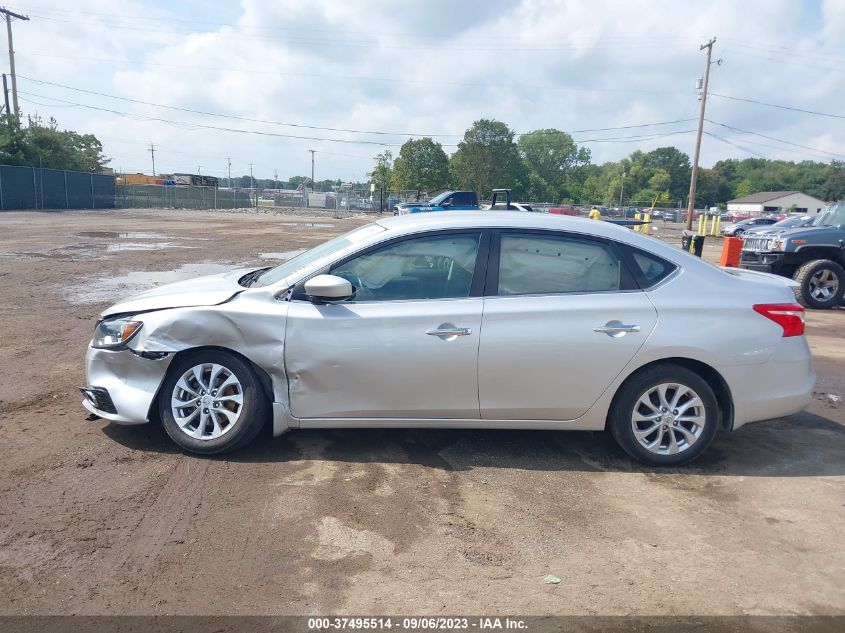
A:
(39, 144)
(547, 165)
(544, 165)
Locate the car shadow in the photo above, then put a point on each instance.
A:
(802, 445)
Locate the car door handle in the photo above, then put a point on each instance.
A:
(616, 329)
(449, 333)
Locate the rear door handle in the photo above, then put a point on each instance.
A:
(616, 329)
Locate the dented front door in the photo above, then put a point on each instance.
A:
(384, 359)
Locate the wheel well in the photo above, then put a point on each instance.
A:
(812, 253)
(723, 393)
(263, 376)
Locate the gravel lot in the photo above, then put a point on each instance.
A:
(101, 519)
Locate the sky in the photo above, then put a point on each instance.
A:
(354, 77)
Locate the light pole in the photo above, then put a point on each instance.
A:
(621, 189)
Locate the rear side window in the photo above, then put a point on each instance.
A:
(462, 198)
(548, 264)
(650, 269)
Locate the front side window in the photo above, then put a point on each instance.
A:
(540, 264)
(436, 267)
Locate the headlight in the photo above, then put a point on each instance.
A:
(111, 333)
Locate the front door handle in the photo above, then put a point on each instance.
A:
(449, 332)
(616, 329)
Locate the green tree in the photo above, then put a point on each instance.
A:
(422, 164)
(488, 158)
(676, 164)
(380, 176)
(40, 145)
(553, 160)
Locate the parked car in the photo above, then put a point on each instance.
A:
(564, 209)
(813, 256)
(786, 223)
(738, 228)
(446, 201)
(460, 320)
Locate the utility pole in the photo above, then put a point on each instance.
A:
(6, 95)
(694, 178)
(312, 168)
(622, 189)
(9, 15)
(229, 160)
(276, 179)
(153, 156)
(251, 184)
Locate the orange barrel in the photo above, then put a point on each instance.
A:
(731, 252)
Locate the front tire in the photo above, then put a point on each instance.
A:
(665, 415)
(211, 403)
(821, 284)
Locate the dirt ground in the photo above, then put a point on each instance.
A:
(97, 518)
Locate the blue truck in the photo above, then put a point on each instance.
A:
(446, 201)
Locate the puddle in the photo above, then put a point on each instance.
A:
(104, 289)
(310, 225)
(142, 246)
(284, 255)
(128, 235)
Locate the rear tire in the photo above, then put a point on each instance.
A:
(211, 402)
(666, 415)
(821, 284)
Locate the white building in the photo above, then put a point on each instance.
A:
(775, 202)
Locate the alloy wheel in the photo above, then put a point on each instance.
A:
(668, 418)
(207, 401)
(824, 284)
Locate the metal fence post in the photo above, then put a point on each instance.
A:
(34, 190)
(67, 199)
(2, 204)
(92, 191)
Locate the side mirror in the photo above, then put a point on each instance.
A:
(328, 288)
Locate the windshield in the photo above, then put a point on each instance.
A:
(318, 252)
(832, 215)
(797, 220)
(438, 199)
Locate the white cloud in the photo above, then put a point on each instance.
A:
(430, 67)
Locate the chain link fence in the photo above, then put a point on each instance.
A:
(37, 188)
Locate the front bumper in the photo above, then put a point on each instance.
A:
(124, 379)
(762, 262)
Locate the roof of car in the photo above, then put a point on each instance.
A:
(412, 223)
(500, 219)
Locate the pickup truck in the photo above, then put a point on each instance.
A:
(814, 256)
(446, 201)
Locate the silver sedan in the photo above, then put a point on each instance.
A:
(461, 320)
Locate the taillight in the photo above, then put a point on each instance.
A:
(790, 316)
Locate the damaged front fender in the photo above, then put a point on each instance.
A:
(252, 325)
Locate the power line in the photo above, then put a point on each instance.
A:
(334, 41)
(331, 129)
(77, 15)
(724, 140)
(775, 105)
(777, 140)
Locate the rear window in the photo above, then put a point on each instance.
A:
(650, 269)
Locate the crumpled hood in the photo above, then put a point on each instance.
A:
(200, 291)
